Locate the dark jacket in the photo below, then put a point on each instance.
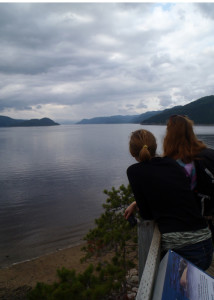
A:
(204, 163)
(162, 192)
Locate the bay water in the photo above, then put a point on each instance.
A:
(52, 181)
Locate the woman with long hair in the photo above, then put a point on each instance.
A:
(181, 144)
(180, 141)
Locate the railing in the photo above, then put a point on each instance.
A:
(149, 239)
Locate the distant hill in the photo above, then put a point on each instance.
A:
(108, 120)
(118, 119)
(145, 116)
(201, 111)
(9, 122)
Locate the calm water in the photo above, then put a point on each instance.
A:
(52, 181)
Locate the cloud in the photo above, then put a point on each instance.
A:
(206, 9)
(82, 60)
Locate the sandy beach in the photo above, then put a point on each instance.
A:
(16, 280)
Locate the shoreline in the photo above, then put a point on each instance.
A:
(41, 269)
(42, 255)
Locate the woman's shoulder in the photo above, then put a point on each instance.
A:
(134, 167)
(138, 167)
(158, 160)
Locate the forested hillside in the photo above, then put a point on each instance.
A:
(200, 111)
(118, 119)
(9, 122)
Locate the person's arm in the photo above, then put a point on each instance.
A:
(130, 209)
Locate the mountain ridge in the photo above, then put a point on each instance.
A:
(119, 119)
(201, 111)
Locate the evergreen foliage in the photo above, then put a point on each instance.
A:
(72, 286)
(113, 232)
(112, 235)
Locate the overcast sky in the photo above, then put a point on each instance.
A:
(82, 60)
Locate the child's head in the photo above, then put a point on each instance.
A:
(142, 145)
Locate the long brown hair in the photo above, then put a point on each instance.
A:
(142, 145)
(180, 141)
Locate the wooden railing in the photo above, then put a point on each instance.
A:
(149, 240)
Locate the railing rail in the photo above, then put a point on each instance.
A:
(149, 240)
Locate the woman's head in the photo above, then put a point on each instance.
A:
(180, 141)
(142, 145)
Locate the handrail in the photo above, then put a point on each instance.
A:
(149, 240)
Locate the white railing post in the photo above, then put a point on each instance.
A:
(145, 233)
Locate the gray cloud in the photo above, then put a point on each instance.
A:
(206, 9)
(142, 104)
(62, 60)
